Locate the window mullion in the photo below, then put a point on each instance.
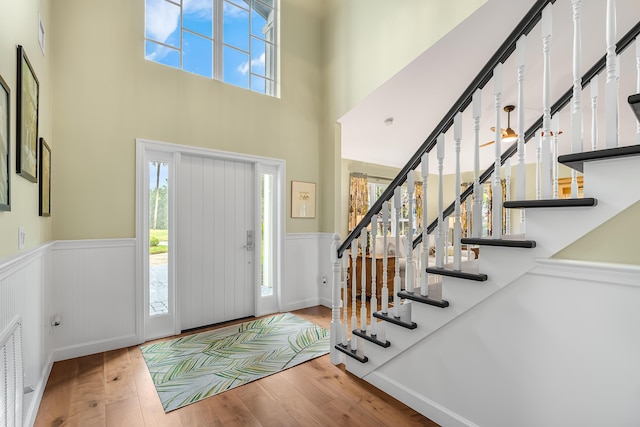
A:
(218, 28)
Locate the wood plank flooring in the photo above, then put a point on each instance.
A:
(115, 389)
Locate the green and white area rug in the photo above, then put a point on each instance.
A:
(191, 368)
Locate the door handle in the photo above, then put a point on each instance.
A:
(250, 242)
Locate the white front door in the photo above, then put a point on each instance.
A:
(215, 264)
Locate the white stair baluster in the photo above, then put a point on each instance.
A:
(521, 172)
(638, 83)
(467, 231)
(611, 85)
(425, 236)
(477, 189)
(496, 208)
(507, 178)
(409, 274)
(555, 132)
(441, 228)
(593, 84)
(335, 328)
(385, 259)
(363, 270)
(397, 282)
(354, 290)
(457, 225)
(545, 153)
(538, 154)
(576, 110)
(374, 261)
(345, 301)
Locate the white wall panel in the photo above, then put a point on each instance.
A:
(95, 296)
(558, 347)
(306, 261)
(25, 291)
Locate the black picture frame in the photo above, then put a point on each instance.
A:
(45, 179)
(27, 119)
(5, 146)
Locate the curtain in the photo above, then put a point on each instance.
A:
(419, 213)
(358, 198)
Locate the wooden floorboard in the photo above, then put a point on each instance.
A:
(114, 388)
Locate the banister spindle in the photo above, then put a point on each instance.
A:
(638, 83)
(440, 231)
(374, 261)
(594, 112)
(576, 110)
(538, 160)
(457, 225)
(496, 208)
(611, 85)
(521, 172)
(397, 282)
(409, 275)
(345, 301)
(363, 270)
(555, 123)
(354, 291)
(545, 153)
(507, 180)
(335, 330)
(425, 236)
(385, 259)
(477, 189)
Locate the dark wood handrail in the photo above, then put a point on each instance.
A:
(527, 23)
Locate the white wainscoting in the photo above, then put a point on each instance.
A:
(558, 347)
(94, 285)
(306, 262)
(26, 291)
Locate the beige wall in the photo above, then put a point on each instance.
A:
(19, 26)
(107, 95)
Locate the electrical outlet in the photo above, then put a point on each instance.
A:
(22, 237)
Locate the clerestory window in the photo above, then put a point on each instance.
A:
(229, 40)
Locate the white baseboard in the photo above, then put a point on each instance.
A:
(418, 402)
(297, 305)
(95, 347)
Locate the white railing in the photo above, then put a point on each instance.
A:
(409, 260)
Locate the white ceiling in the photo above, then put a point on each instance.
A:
(419, 95)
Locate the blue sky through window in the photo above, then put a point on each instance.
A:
(244, 47)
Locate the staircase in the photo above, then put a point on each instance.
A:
(472, 342)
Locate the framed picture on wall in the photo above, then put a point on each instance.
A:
(27, 119)
(5, 176)
(303, 199)
(45, 179)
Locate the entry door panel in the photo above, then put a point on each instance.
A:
(215, 271)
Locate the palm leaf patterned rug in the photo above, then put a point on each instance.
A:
(191, 368)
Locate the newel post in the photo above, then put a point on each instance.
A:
(335, 328)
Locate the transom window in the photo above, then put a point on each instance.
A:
(229, 40)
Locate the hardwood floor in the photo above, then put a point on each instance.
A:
(115, 389)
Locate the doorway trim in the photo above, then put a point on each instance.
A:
(145, 146)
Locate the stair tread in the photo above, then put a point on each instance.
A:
(415, 296)
(509, 243)
(347, 350)
(576, 160)
(550, 203)
(479, 277)
(396, 321)
(371, 338)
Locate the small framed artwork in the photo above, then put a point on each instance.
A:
(5, 176)
(45, 179)
(303, 199)
(27, 119)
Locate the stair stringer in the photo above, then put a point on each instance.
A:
(612, 182)
(556, 347)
